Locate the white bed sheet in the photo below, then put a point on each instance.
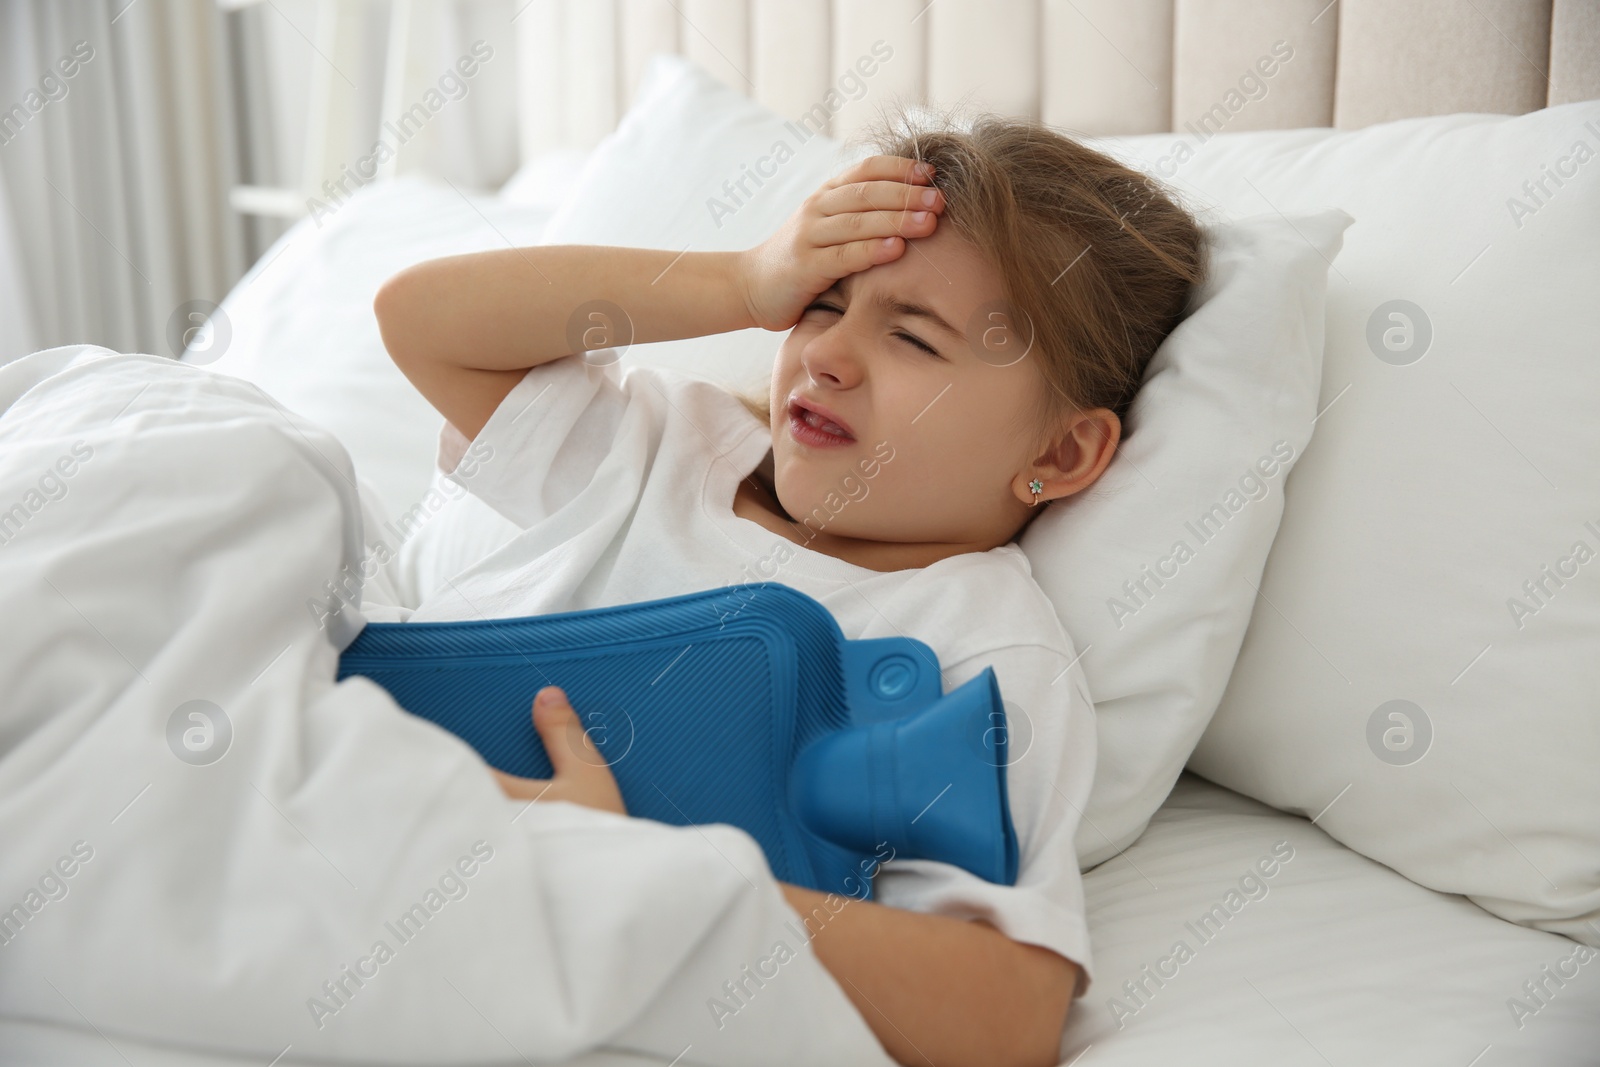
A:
(1343, 961)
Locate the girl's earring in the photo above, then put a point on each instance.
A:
(1035, 487)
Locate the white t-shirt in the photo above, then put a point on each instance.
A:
(622, 483)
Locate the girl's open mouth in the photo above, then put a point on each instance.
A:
(811, 429)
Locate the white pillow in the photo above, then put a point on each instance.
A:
(300, 323)
(546, 180)
(1153, 570)
(1238, 377)
(1391, 686)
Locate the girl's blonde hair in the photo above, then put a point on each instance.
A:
(1098, 257)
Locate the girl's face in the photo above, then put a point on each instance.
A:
(942, 443)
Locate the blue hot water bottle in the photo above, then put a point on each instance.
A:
(741, 705)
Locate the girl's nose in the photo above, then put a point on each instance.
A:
(833, 357)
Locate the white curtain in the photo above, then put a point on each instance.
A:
(115, 180)
(472, 142)
(18, 336)
(117, 176)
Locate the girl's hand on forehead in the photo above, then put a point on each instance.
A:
(854, 221)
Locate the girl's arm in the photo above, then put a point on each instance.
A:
(933, 985)
(466, 328)
(922, 982)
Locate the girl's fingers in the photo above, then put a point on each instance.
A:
(880, 197)
(581, 773)
(565, 740)
(887, 196)
(865, 225)
(885, 168)
(859, 255)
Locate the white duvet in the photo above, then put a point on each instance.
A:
(209, 845)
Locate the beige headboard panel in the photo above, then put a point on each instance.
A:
(1091, 66)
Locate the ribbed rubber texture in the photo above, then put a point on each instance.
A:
(677, 695)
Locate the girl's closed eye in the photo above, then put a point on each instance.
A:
(819, 305)
(925, 347)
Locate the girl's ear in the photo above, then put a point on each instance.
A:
(1078, 456)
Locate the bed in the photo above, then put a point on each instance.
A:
(1343, 961)
(1226, 929)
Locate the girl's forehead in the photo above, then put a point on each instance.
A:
(943, 269)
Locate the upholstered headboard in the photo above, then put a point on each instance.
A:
(1097, 67)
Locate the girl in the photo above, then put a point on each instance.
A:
(970, 313)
